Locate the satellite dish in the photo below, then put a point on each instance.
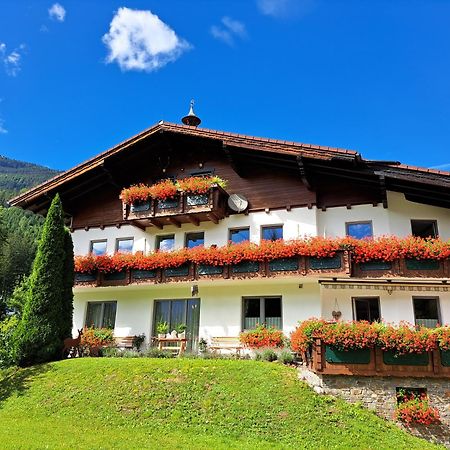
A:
(237, 202)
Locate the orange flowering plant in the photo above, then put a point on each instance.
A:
(414, 408)
(168, 189)
(262, 337)
(303, 336)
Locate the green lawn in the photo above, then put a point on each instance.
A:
(157, 403)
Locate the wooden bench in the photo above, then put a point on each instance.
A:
(230, 343)
(125, 342)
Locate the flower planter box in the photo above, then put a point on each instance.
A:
(284, 264)
(358, 356)
(410, 359)
(326, 263)
(85, 277)
(424, 268)
(140, 207)
(181, 271)
(375, 265)
(445, 357)
(197, 200)
(169, 203)
(114, 276)
(422, 264)
(209, 270)
(143, 274)
(246, 267)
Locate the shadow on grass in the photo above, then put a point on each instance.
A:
(16, 381)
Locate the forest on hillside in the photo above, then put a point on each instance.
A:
(19, 229)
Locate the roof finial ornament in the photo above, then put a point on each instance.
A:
(191, 119)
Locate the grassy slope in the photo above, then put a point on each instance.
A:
(150, 403)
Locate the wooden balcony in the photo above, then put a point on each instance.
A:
(326, 360)
(184, 208)
(410, 268)
(337, 265)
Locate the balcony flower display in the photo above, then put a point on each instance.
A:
(167, 189)
(401, 339)
(266, 251)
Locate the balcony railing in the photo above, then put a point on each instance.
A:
(184, 208)
(338, 265)
(326, 360)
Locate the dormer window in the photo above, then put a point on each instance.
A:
(424, 228)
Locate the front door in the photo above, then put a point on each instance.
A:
(180, 311)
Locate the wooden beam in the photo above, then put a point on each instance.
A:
(174, 221)
(193, 220)
(232, 161)
(383, 191)
(156, 224)
(302, 170)
(211, 216)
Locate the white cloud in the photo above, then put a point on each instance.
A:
(285, 8)
(140, 40)
(229, 29)
(12, 60)
(442, 166)
(57, 12)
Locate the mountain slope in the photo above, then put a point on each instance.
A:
(181, 403)
(17, 176)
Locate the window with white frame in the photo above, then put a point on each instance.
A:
(359, 230)
(426, 311)
(98, 248)
(165, 243)
(261, 310)
(124, 245)
(101, 314)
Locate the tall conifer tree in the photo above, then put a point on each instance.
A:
(44, 324)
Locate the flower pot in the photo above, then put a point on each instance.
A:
(410, 359)
(161, 336)
(182, 335)
(173, 335)
(358, 356)
(445, 358)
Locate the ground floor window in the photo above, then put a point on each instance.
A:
(366, 308)
(101, 314)
(426, 311)
(261, 310)
(179, 312)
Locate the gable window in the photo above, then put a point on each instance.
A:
(124, 245)
(426, 311)
(359, 230)
(98, 248)
(165, 243)
(366, 308)
(101, 314)
(194, 239)
(424, 228)
(272, 232)
(261, 310)
(239, 235)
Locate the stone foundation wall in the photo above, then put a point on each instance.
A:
(379, 395)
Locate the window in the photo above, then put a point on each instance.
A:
(272, 232)
(359, 230)
(98, 248)
(424, 228)
(366, 308)
(101, 314)
(239, 235)
(165, 243)
(426, 311)
(124, 245)
(261, 310)
(194, 239)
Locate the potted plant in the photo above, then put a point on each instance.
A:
(162, 328)
(181, 330)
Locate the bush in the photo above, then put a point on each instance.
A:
(266, 354)
(154, 352)
(285, 357)
(138, 341)
(413, 408)
(302, 337)
(97, 337)
(7, 329)
(111, 352)
(262, 337)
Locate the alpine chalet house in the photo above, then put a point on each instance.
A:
(261, 221)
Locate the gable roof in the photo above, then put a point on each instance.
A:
(250, 143)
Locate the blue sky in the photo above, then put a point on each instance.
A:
(80, 76)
